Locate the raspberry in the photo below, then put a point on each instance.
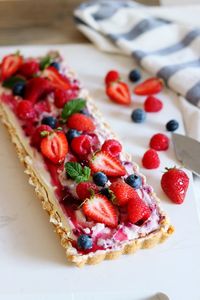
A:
(25, 110)
(81, 145)
(36, 137)
(29, 68)
(60, 98)
(81, 122)
(111, 76)
(113, 147)
(159, 142)
(151, 159)
(152, 104)
(85, 189)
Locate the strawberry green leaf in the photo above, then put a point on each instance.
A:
(77, 172)
(10, 82)
(72, 107)
(45, 62)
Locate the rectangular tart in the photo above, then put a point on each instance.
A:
(41, 100)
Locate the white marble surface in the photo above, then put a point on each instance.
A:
(32, 263)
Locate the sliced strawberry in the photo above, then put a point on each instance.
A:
(57, 79)
(10, 65)
(104, 162)
(37, 88)
(36, 138)
(119, 92)
(122, 192)
(55, 147)
(138, 211)
(111, 76)
(85, 189)
(149, 87)
(99, 209)
(29, 68)
(81, 122)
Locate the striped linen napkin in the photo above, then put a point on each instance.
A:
(164, 48)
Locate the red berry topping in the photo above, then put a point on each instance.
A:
(99, 209)
(149, 87)
(25, 110)
(55, 147)
(81, 145)
(151, 159)
(29, 68)
(175, 184)
(81, 122)
(42, 106)
(111, 76)
(60, 98)
(36, 137)
(85, 189)
(122, 192)
(138, 211)
(119, 93)
(37, 88)
(152, 104)
(94, 141)
(113, 147)
(58, 80)
(10, 65)
(109, 165)
(159, 142)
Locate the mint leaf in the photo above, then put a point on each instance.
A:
(45, 62)
(72, 107)
(10, 82)
(77, 172)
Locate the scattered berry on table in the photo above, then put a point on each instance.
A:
(25, 110)
(111, 76)
(19, 89)
(81, 145)
(50, 121)
(172, 125)
(135, 181)
(122, 192)
(84, 242)
(113, 147)
(99, 209)
(138, 115)
(135, 75)
(72, 133)
(104, 162)
(85, 189)
(119, 93)
(56, 65)
(81, 122)
(159, 142)
(29, 68)
(149, 87)
(174, 183)
(138, 211)
(100, 178)
(152, 104)
(151, 159)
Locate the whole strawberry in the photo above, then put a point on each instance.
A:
(174, 183)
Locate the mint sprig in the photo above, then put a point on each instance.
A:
(72, 107)
(10, 82)
(77, 172)
(45, 62)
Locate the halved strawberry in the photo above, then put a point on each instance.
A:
(138, 211)
(119, 92)
(10, 64)
(104, 162)
(99, 209)
(37, 88)
(149, 87)
(55, 147)
(57, 79)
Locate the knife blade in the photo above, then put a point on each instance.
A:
(187, 151)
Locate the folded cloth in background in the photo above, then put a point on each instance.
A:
(164, 48)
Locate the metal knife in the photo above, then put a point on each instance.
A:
(187, 151)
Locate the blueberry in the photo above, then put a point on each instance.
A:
(84, 241)
(172, 125)
(72, 133)
(134, 181)
(56, 65)
(51, 121)
(138, 115)
(19, 88)
(106, 192)
(134, 75)
(100, 178)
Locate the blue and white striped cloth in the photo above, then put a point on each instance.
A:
(164, 48)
